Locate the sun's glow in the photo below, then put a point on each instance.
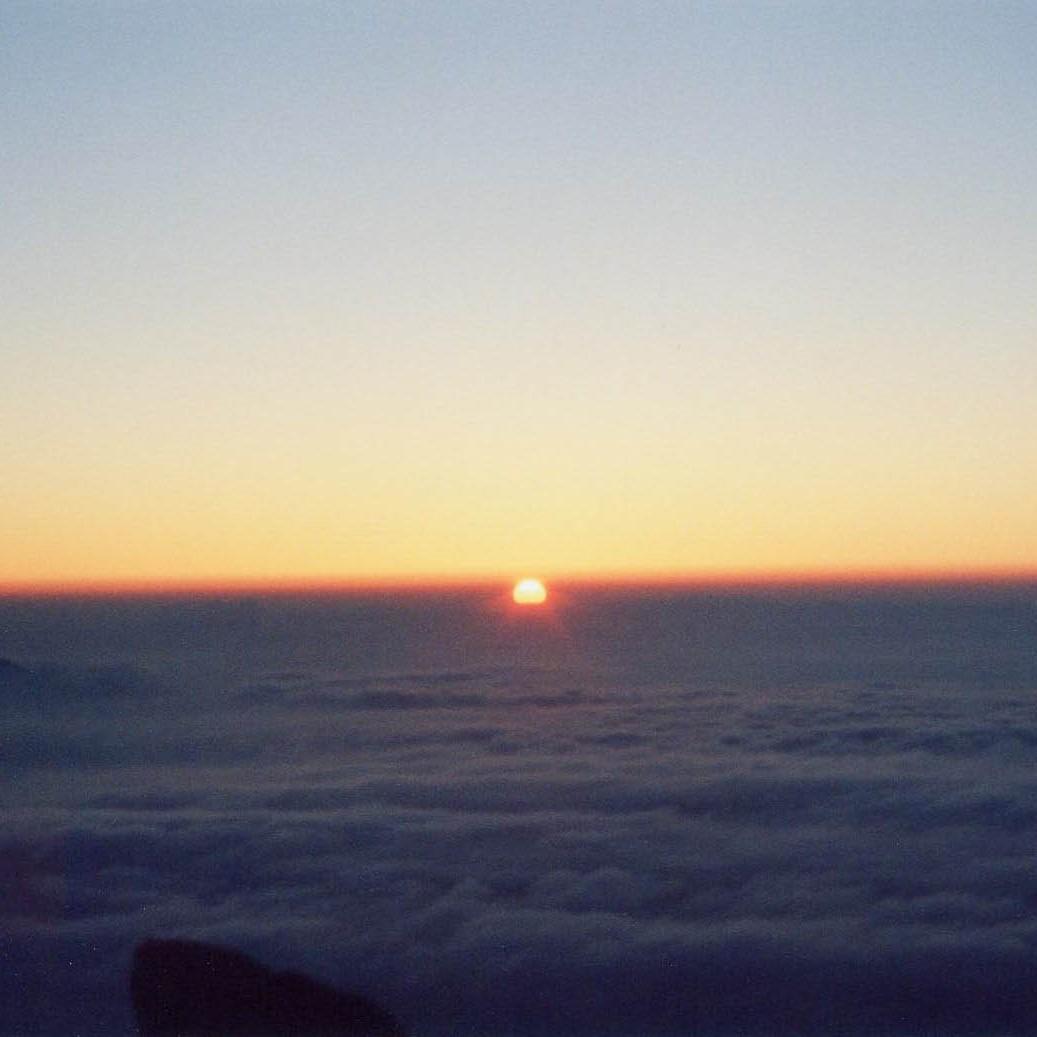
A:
(529, 592)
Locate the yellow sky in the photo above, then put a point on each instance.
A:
(743, 289)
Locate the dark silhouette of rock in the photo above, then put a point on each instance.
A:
(187, 989)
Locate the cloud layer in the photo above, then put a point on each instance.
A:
(541, 833)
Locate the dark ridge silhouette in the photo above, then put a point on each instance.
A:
(186, 989)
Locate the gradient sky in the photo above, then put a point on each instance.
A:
(338, 291)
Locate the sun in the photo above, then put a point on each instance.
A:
(529, 592)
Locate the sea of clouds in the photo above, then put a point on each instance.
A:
(640, 814)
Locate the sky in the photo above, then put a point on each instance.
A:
(324, 292)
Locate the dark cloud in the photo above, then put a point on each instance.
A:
(539, 849)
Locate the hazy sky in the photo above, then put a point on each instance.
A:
(358, 289)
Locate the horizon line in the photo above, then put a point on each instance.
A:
(733, 579)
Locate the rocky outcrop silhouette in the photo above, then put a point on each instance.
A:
(185, 989)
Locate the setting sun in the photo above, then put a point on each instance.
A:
(529, 592)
